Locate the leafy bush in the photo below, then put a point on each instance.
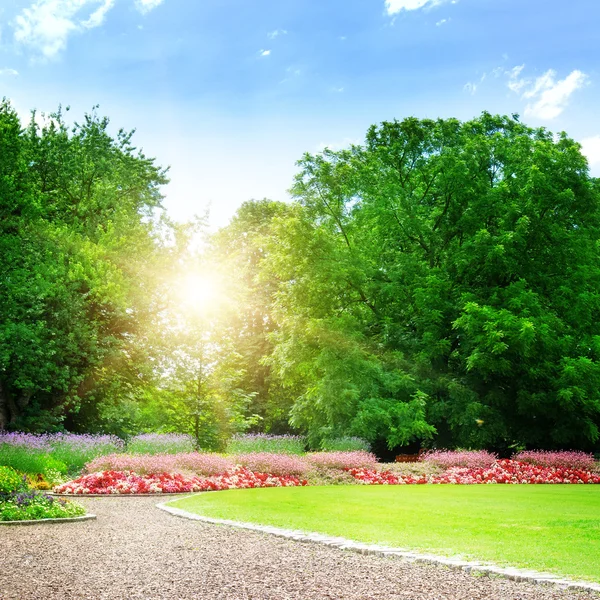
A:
(35, 505)
(144, 464)
(160, 443)
(325, 476)
(345, 444)
(275, 464)
(460, 458)
(413, 468)
(262, 442)
(11, 481)
(58, 452)
(342, 460)
(74, 450)
(573, 459)
(29, 461)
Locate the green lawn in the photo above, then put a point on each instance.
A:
(552, 528)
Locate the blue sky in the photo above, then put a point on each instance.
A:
(231, 93)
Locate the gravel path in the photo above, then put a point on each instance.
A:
(134, 551)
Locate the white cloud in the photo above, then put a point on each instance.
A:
(395, 6)
(591, 148)
(547, 96)
(470, 87)
(97, 17)
(264, 52)
(46, 25)
(441, 22)
(273, 34)
(337, 90)
(145, 6)
(7, 71)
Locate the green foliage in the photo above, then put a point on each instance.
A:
(260, 442)
(31, 461)
(80, 247)
(35, 505)
(10, 481)
(345, 444)
(441, 282)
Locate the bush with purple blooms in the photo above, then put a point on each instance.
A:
(32, 505)
(571, 459)
(18, 503)
(160, 443)
(263, 442)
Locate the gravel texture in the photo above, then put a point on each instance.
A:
(134, 551)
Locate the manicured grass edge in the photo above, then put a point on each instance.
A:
(361, 548)
(159, 494)
(49, 521)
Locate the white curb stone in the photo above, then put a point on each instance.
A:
(346, 544)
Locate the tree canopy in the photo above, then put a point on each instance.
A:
(441, 284)
(438, 284)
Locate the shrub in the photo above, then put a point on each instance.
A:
(74, 450)
(27, 461)
(62, 452)
(573, 459)
(11, 481)
(460, 458)
(342, 460)
(275, 464)
(345, 444)
(144, 464)
(35, 505)
(325, 476)
(160, 443)
(262, 442)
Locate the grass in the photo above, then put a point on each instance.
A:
(551, 528)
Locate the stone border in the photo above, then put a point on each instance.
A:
(48, 521)
(346, 544)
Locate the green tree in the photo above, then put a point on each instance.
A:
(444, 277)
(81, 246)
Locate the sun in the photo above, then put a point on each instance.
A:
(199, 292)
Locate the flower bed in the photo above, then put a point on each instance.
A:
(342, 460)
(19, 503)
(144, 464)
(459, 458)
(502, 471)
(127, 482)
(33, 505)
(276, 464)
(572, 459)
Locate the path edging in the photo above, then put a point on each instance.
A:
(49, 521)
(512, 573)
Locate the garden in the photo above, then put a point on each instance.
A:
(81, 465)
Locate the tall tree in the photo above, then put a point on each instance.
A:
(444, 279)
(81, 244)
